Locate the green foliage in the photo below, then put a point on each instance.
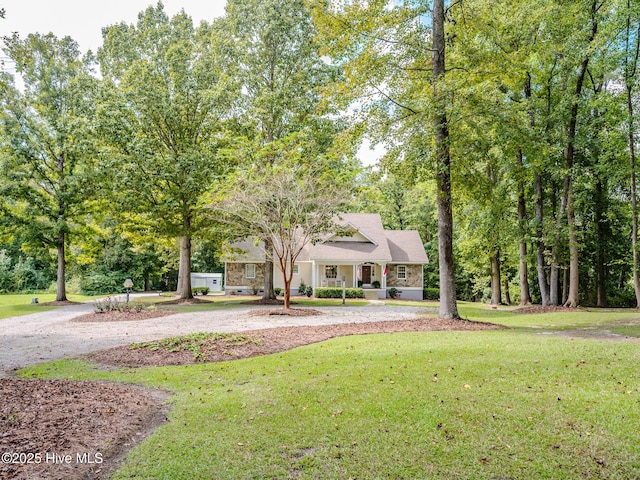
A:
(430, 294)
(200, 290)
(109, 259)
(336, 292)
(277, 291)
(21, 275)
(392, 292)
(48, 151)
(102, 283)
(165, 98)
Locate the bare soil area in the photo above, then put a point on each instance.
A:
(78, 422)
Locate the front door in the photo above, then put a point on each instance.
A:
(366, 274)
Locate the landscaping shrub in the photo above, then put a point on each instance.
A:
(375, 284)
(100, 283)
(392, 292)
(277, 291)
(109, 304)
(309, 291)
(302, 288)
(200, 291)
(431, 294)
(336, 292)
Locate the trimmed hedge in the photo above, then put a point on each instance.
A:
(431, 294)
(336, 292)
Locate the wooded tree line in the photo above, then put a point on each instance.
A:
(509, 128)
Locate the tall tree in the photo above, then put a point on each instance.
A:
(165, 99)
(631, 18)
(48, 150)
(448, 305)
(282, 75)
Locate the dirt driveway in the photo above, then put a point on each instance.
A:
(51, 335)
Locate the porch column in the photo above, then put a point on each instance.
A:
(355, 277)
(313, 274)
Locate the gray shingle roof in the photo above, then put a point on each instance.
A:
(385, 246)
(406, 246)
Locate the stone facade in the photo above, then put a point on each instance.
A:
(236, 275)
(413, 280)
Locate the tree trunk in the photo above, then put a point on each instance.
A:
(565, 284)
(507, 293)
(61, 289)
(525, 295)
(554, 274)
(572, 300)
(287, 294)
(496, 293)
(184, 276)
(634, 198)
(601, 274)
(269, 293)
(540, 257)
(180, 267)
(448, 304)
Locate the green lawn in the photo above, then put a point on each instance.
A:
(521, 403)
(13, 305)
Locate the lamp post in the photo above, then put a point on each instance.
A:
(128, 283)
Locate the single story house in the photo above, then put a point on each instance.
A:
(211, 280)
(367, 255)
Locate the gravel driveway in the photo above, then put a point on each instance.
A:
(51, 335)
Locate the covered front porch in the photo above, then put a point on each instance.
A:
(367, 275)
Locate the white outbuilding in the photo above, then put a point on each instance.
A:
(211, 280)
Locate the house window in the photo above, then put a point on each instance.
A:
(402, 272)
(331, 271)
(250, 270)
(296, 270)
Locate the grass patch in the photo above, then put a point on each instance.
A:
(492, 404)
(20, 304)
(627, 330)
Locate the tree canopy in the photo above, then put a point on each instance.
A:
(509, 130)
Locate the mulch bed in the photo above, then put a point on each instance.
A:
(262, 301)
(52, 429)
(188, 301)
(116, 316)
(274, 340)
(290, 312)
